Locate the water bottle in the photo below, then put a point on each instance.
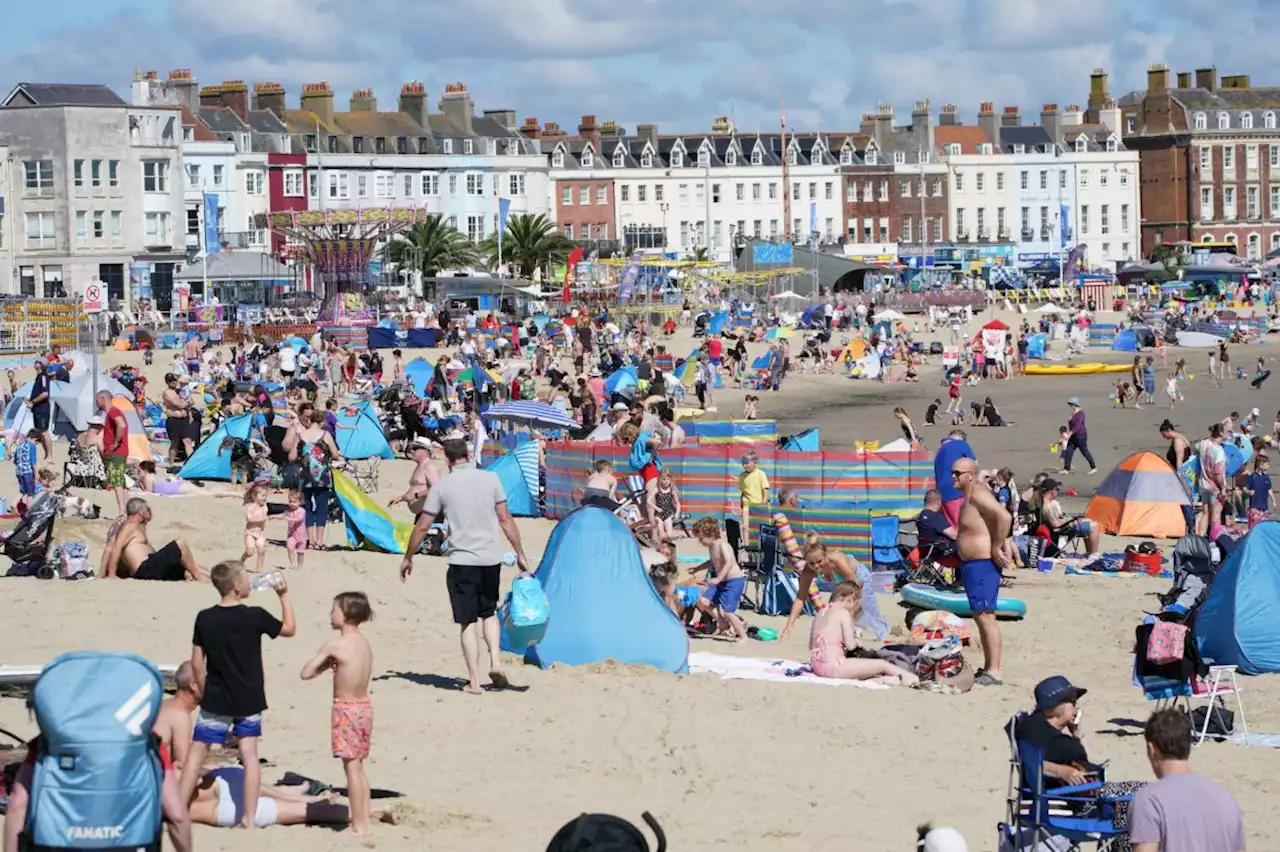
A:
(263, 582)
(509, 559)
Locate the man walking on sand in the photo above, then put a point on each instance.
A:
(476, 506)
(985, 548)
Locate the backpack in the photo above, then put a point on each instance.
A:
(1167, 642)
(97, 778)
(779, 593)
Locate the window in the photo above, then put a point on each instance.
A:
(980, 182)
(1124, 176)
(1206, 157)
(1044, 179)
(475, 227)
(155, 176)
(1229, 157)
(1246, 121)
(828, 191)
(584, 195)
(95, 174)
(640, 192)
(1084, 219)
(384, 186)
(588, 159)
(982, 221)
(1228, 202)
(1206, 203)
(515, 184)
(1275, 241)
(1082, 144)
(867, 190)
(193, 176)
(731, 157)
(700, 193)
(1084, 178)
(566, 196)
(339, 185)
(557, 159)
(792, 159)
(1202, 121)
(899, 157)
(813, 192)
(740, 191)
(469, 147)
(568, 232)
(117, 228)
(82, 228)
(357, 144)
(475, 184)
(602, 194)
(960, 229)
(715, 193)
(677, 158)
(1044, 223)
(99, 224)
(755, 192)
(1112, 144)
(704, 158)
(1001, 229)
(1251, 202)
(619, 159)
(1251, 157)
(77, 173)
(1274, 208)
(1000, 181)
(1124, 218)
(871, 157)
(1273, 155)
(253, 182)
(38, 177)
(155, 229)
(884, 190)
(497, 185)
(959, 182)
(1026, 219)
(362, 186)
(756, 228)
(905, 188)
(937, 188)
(846, 156)
(658, 192)
(1224, 121)
(624, 192)
(313, 184)
(773, 229)
(408, 186)
(41, 233)
(1253, 248)
(1269, 120)
(1103, 177)
(1106, 219)
(218, 172)
(1062, 179)
(430, 183)
(113, 174)
(453, 185)
(646, 160)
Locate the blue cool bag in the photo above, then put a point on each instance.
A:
(97, 778)
(525, 613)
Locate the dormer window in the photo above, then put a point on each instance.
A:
(468, 147)
(587, 159)
(380, 145)
(311, 143)
(646, 160)
(677, 158)
(953, 148)
(1082, 145)
(490, 147)
(791, 156)
(731, 157)
(402, 145)
(757, 157)
(557, 159)
(1224, 121)
(1202, 121)
(871, 157)
(1246, 121)
(900, 157)
(815, 153)
(447, 146)
(925, 157)
(422, 145)
(1113, 145)
(333, 144)
(357, 144)
(1019, 149)
(846, 156)
(619, 159)
(1269, 120)
(704, 158)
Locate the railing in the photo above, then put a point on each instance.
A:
(244, 240)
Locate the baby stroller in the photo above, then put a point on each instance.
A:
(29, 542)
(1193, 572)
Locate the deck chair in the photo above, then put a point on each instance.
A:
(887, 551)
(84, 467)
(364, 473)
(933, 563)
(1043, 819)
(776, 584)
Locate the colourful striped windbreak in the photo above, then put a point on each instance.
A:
(707, 476)
(733, 432)
(1143, 496)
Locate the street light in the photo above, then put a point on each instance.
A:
(664, 207)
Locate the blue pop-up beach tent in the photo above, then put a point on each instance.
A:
(1126, 341)
(211, 460)
(418, 373)
(603, 606)
(520, 502)
(1237, 624)
(360, 435)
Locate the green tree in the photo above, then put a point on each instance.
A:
(432, 247)
(700, 253)
(530, 242)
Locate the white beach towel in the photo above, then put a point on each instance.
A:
(756, 668)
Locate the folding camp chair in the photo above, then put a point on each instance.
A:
(776, 584)
(364, 472)
(1036, 814)
(84, 467)
(1186, 681)
(887, 551)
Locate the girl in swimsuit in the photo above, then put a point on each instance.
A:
(833, 635)
(255, 525)
(667, 503)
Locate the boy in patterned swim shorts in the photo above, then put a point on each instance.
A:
(351, 722)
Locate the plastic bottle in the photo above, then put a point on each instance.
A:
(263, 582)
(509, 559)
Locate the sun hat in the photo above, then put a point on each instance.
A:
(1075, 400)
(1056, 690)
(97, 420)
(421, 442)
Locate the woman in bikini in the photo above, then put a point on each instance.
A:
(832, 636)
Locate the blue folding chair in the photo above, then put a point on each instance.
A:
(1036, 814)
(886, 550)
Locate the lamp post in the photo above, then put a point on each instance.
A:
(664, 207)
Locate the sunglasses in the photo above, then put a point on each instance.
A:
(956, 473)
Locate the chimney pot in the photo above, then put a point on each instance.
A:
(180, 74)
(151, 75)
(986, 107)
(1099, 72)
(318, 98)
(363, 100)
(1184, 79)
(413, 88)
(1049, 108)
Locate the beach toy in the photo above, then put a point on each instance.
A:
(920, 596)
(525, 613)
(766, 634)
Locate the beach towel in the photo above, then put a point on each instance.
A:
(774, 670)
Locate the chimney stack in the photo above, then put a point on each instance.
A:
(1236, 81)
(1111, 117)
(989, 122)
(1073, 117)
(183, 85)
(457, 106)
(868, 125)
(551, 130)
(1184, 79)
(413, 102)
(922, 123)
(269, 96)
(1157, 78)
(950, 116)
(884, 124)
(531, 129)
(611, 129)
(1011, 117)
(1207, 78)
(1098, 93)
(649, 133)
(318, 98)
(210, 96)
(1051, 121)
(235, 97)
(363, 100)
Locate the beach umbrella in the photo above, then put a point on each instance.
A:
(779, 333)
(620, 380)
(418, 373)
(787, 294)
(535, 415)
(469, 375)
(1049, 308)
(888, 315)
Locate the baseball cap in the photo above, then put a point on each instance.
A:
(1056, 690)
(1049, 485)
(1075, 400)
(620, 406)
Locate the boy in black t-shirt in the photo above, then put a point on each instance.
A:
(226, 654)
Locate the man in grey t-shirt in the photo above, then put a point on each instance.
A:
(1182, 811)
(476, 507)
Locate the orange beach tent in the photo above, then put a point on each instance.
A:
(1143, 496)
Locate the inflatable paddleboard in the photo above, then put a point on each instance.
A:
(1260, 378)
(1198, 339)
(928, 597)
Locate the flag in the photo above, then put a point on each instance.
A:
(575, 257)
(1064, 218)
(629, 276)
(212, 240)
(813, 217)
(504, 210)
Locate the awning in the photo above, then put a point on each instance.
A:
(232, 266)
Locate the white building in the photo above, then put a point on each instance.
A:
(1016, 181)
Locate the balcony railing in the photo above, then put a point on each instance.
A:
(233, 240)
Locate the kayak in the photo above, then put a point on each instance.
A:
(925, 597)
(1074, 369)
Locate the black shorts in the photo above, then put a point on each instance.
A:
(473, 591)
(177, 428)
(288, 374)
(164, 564)
(40, 418)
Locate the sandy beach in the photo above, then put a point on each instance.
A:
(747, 766)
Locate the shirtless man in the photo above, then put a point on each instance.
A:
(192, 352)
(424, 477)
(984, 547)
(177, 414)
(173, 723)
(129, 554)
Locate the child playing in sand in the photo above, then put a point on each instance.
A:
(668, 503)
(351, 721)
(255, 525)
(602, 487)
(664, 576)
(1064, 436)
(833, 634)
(296, 536)
(226, 659)
(750, 407)
(727, 583)
(1171, 389)
(931, 413)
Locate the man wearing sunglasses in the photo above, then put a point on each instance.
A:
(984, 548)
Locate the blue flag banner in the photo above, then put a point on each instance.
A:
(772, 253)
(813, 217)
(211, 241)
(504, 210)
(1064, 223)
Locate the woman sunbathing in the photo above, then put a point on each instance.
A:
(219, 802)
(832, 636)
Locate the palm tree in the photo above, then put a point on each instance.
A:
(700, 253)
(530, 242)
(431, 247)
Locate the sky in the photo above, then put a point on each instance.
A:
(674, 63)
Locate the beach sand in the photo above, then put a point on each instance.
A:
(722, 764)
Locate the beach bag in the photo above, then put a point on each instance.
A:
(779, 593)
(525, 612)
(940, 659)
(1167, 641)
(97, 775)
(73, 561)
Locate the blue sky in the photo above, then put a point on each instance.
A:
(671, 62)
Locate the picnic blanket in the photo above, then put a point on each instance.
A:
(758, 668)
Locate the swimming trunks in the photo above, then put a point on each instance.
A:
(726, 594)
(351, 728)
(164, 564)
(215, 729)
(981, 581)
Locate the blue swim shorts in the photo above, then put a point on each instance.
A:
(214, 729)
(726, 595)
(981, 581)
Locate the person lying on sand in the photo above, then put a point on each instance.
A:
(128, 553)
(219, 802)
(833, 634)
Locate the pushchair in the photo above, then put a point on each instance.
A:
(1193, 572)
(29, 542)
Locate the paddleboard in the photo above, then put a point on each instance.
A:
(929, 597)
